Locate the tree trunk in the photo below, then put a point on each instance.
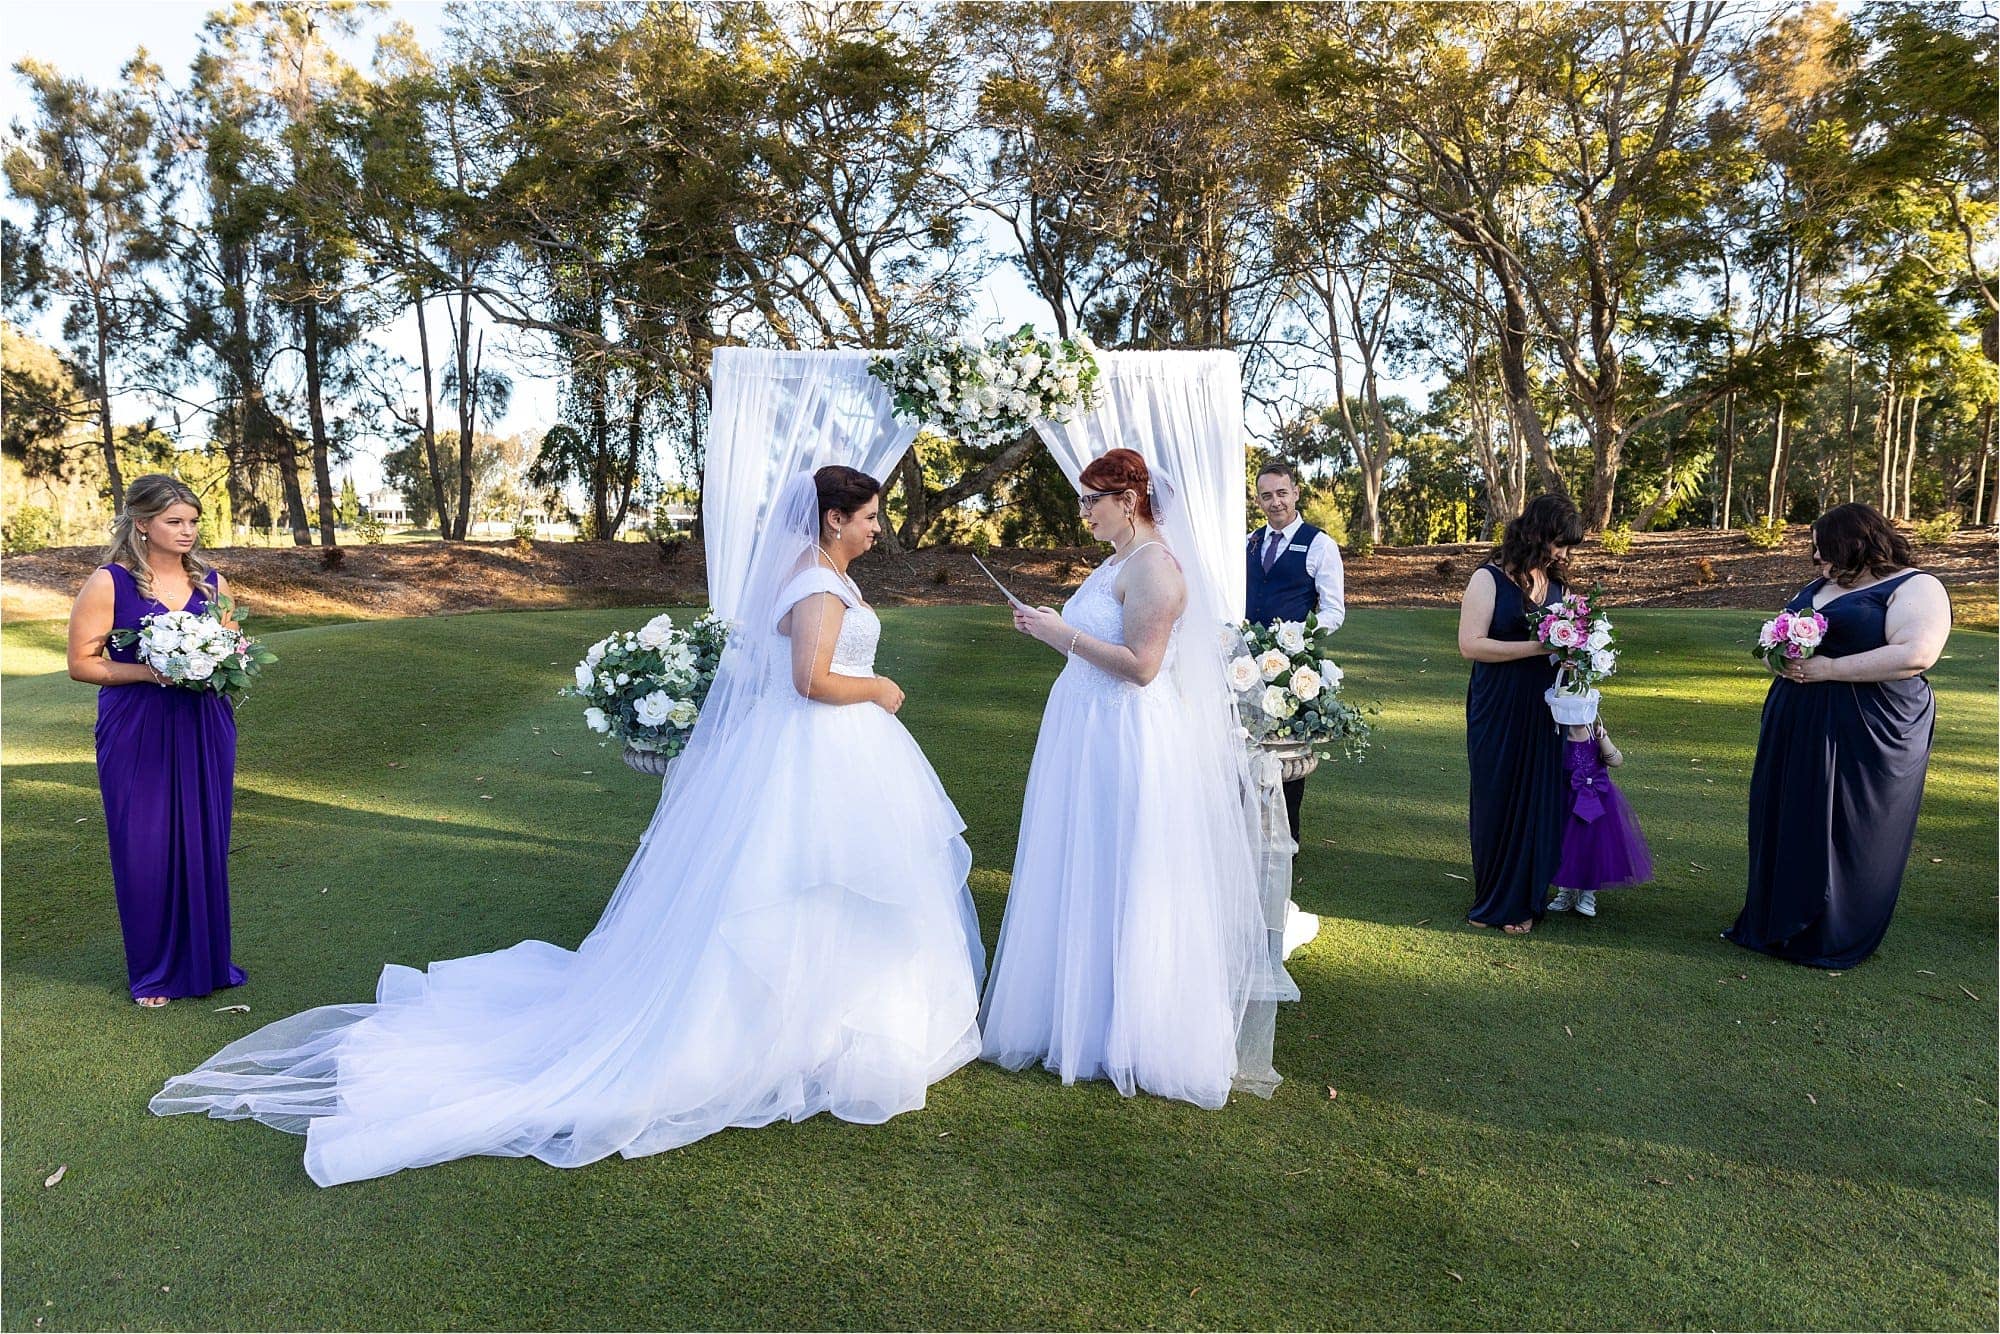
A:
(918, 518)
(1728, 458)
(1890, 428)
(1853, 419)
(260, 423)
(1910, 454)
(432, 464)
(1606, 447)
(109, 437)
(1781, 448)
(316, 414)
(468, 412)
(1520, 393)
(1986, 423)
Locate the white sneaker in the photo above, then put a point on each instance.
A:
(1586, 903)
(1564, 900)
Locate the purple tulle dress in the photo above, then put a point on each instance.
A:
(166, 765)
(1602, 847)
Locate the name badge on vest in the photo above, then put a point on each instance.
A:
(1298, 546)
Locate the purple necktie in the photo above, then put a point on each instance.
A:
(1272, 548)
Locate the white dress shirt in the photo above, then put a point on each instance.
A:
(1322, 565)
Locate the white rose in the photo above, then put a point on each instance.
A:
(656, 632)
(200, 667)
(1600, 637)
(583, 676)
(1276, 703)
(651, 710)
(623, 679)
(1603, 661)
(1305, 683)
(683, 713)
(1291, 636)
(595, 654)
(1243, 673)
(1029, 365)
(595, 720)
(1330, 675)
(1273, 664)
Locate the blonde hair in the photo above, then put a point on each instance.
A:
(147, 498)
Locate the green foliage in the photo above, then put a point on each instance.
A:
(29, 528)
(1617, 539)
(1321, 508)
(371, 529)
(1937, 531)
(350, 502)
(1767, 534)
(406, 471)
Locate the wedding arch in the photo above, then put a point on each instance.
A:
(778, 413)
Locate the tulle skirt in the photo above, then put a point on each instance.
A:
(1114, 962)
(1602, 847)
(796, 939)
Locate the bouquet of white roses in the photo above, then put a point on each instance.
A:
(983, 395)
(1790, 636)
(197, 651)
(1585, 647)
(645, 687)
(1288, 688)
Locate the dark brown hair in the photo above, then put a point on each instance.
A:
(1282, 469)
(1533, 535)
(843, 489)
(1122, 470)
(1854, 539)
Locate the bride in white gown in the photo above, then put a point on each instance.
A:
(794, 934)
(1135, 947)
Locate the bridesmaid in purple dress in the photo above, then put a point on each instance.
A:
(166, 756)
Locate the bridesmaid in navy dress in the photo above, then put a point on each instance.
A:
(1841, 755)
(1519, 788)
(166, 756)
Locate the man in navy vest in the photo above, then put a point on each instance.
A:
(1293, 569)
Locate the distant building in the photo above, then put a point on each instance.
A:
(386, 506)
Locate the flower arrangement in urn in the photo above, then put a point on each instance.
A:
(644, 688)
(1288, 692)
(987, 394)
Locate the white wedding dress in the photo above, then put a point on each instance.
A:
(1133, 941)
(793, 936)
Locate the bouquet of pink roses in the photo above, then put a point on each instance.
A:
(1580, 638)
(1790, 636)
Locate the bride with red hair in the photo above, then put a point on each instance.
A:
(1132, 944)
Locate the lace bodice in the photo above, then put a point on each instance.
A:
(1094, 609)
(860, 628)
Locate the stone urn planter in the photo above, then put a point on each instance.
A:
(648, 761)
(1295, 758)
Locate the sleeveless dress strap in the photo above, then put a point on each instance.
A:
(1136, 550)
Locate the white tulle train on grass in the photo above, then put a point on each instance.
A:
(793, 936)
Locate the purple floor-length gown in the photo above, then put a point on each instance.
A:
(166, 764)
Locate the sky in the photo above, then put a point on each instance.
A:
(93, 39)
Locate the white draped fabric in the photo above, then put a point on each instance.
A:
(774, 415)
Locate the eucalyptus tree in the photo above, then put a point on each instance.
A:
(85, 165)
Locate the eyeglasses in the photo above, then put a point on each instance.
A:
(1088, 500)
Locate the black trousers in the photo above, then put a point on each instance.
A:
(1295, 792)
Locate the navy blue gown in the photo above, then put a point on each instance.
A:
(1520, 792)
(1834, 797)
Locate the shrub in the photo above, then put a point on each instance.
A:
(1932, 532)
(941, 576)
(1768, 534)
(372, 529)
(1362, 547)
(982, 541)
(29, 528)
(1325, 512)
(332, 558)
(1617, 539)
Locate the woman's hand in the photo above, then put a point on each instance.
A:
(888, 694)
(1807, 670)
(1043, 623)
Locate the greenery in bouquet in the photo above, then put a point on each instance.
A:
(986, 394)
(1288, 689)
(645, 688)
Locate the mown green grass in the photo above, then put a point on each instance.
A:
(1625, 1123)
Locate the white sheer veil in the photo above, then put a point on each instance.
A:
(1252, 933)
(751, 675)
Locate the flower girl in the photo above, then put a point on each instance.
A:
(1602, 847)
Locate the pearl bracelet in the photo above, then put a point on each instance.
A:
(1070, 652)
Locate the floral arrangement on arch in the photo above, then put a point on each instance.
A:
(645, 687)
(986, 394)
(1288, 688)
